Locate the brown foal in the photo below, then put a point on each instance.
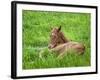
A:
(60, 44)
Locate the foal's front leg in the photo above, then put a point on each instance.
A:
(61, 55)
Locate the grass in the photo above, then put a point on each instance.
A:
(36, 31)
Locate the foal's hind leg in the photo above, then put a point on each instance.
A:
(80, 49)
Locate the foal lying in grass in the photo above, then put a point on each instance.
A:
(61, 45)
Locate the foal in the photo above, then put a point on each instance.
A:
(60, 44)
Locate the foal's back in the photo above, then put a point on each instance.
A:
(69, 46)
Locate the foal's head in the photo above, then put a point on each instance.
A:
(56, 38)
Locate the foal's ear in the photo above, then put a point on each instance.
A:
(59, 28)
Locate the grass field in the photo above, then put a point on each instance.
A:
(36, 31)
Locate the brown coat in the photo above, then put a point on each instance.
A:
(69, 46)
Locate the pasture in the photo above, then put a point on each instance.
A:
(36, 35)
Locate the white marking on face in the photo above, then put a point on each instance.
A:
(53, 34)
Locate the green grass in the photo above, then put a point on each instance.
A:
(36, 31)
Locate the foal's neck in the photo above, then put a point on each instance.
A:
(65, 40)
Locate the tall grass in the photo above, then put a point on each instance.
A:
(36, 31)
